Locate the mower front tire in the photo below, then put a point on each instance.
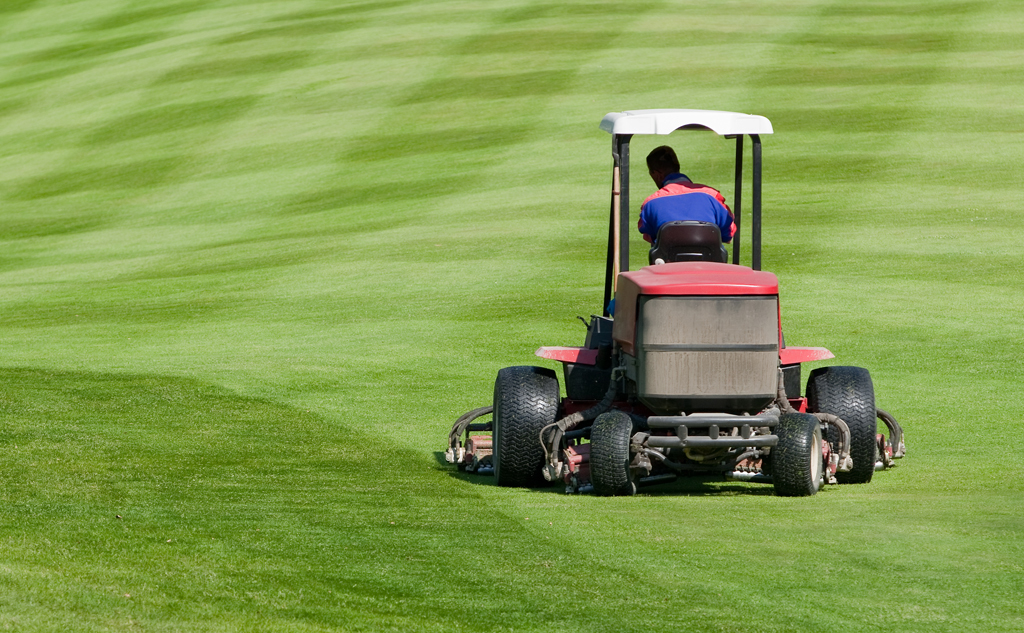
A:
(797, 459)
(526, 399)
(609, 455)
(847, 392)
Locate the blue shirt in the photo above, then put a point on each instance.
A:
(680, 200)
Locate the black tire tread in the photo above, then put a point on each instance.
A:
(792, 456)
(526, 399)
(609, 454)
(848, 392)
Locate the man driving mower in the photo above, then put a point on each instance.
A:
(680, 199)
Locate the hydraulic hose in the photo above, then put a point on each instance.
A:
(825, 418)
(460, 426)
(569, 422)
(895, 433)
(573, 420)
(845, 462)
(781, 398)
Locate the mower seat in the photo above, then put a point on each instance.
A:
(688, 241)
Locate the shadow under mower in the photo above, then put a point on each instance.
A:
(692, 376)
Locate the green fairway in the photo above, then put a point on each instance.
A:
(257, 256)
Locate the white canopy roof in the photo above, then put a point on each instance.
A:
(668, 121)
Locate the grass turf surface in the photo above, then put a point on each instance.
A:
(256, 257)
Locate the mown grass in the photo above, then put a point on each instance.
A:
(256, 257)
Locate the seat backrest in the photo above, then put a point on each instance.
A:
(688, 241)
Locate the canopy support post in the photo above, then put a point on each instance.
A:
(737, 197)
(756, 205)
(618, 221)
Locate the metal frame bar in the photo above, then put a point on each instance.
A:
(704, 420)
(755, 239)
(726, 441)
(737, 197)
(624, 223)
(620, 165)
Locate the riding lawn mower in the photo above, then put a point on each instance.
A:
(688, 374)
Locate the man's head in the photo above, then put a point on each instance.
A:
(662, 162)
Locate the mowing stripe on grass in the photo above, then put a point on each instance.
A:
(256, 257)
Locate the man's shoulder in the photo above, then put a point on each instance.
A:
(680, 188)
(696, 187)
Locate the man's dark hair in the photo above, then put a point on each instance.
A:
(663, 159)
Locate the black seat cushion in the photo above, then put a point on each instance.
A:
(688, 241)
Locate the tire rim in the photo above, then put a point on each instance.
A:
(816, 463)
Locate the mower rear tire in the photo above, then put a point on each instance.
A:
(609, 455)
(797, 459)
(526, 399)
(848, 392)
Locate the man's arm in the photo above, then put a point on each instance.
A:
(641, 225)
(726, 224)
